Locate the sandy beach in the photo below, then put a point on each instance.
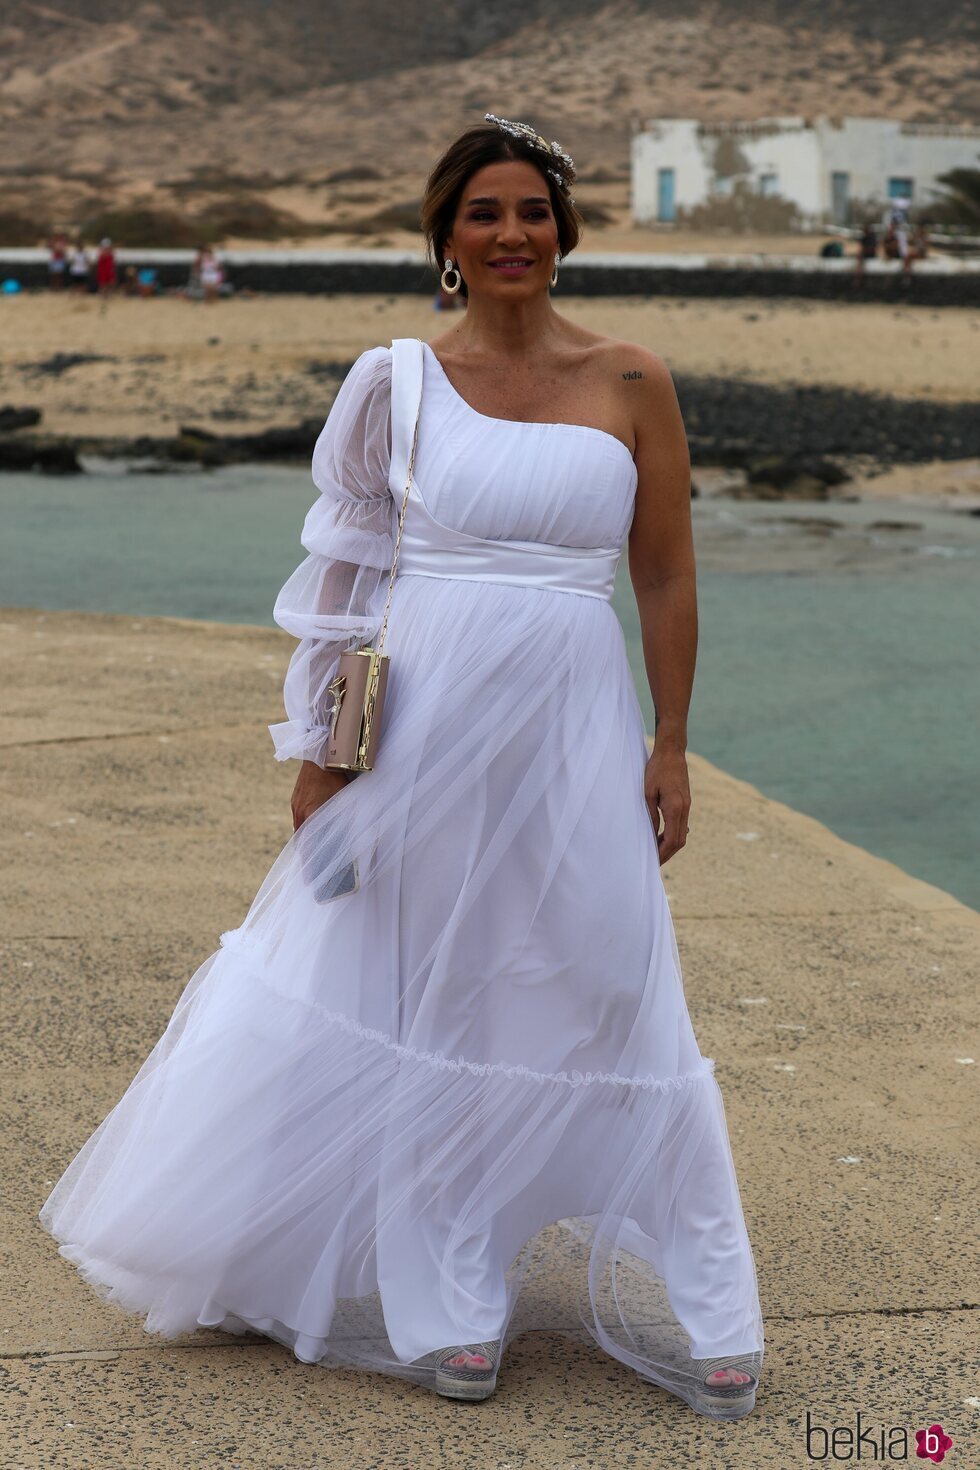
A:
(171, 360)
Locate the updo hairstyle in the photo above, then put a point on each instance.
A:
(480, 145)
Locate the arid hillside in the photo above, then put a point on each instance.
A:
(330, 112)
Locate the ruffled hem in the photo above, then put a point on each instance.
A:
(359, 1339)
(233, 939)
(282, 1167)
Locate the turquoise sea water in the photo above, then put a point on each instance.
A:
(838, 660)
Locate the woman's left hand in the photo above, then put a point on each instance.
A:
(668, 793)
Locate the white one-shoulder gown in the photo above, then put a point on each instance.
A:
(441, 1085)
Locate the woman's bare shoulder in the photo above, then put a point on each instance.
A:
(630, 359)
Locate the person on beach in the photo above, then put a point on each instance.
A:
(449, 1045)
(210, 273)
(918, 249)
(193, 289)
(867, 248)
(919, 246)
(106, 276)
(57, 260)
(78, 267)
(909, 248)
(897, 245)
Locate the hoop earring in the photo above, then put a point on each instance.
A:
(554, 278)
(449, 267)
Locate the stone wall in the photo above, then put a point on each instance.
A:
(814, 280)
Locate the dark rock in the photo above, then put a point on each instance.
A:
(53, 457)
(815, 525)
(323, 368)
(144, 446)
(209, 451)
(59, 459)
(795, 477)
(287, 443)
(804, 488)
(291, 442)
(61, 362)
(18, 418)
(733, 423)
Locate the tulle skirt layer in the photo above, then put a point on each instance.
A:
(441, 1085)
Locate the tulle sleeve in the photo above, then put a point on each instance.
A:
(335, 599)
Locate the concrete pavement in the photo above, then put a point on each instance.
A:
(837, 995)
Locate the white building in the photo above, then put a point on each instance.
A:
(832, 169)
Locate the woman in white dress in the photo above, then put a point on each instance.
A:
(441, 1086)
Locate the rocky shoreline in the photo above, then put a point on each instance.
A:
(792, 442)
(192, 447)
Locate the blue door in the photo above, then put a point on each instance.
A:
(665, 194)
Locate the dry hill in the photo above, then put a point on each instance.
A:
(329, 111)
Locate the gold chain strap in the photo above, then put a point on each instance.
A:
(371, 692)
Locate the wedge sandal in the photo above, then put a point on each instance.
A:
(723, 1400)
(468, 1372)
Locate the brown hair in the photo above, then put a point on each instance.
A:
(487, 143)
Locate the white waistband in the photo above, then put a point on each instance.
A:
(430, 549)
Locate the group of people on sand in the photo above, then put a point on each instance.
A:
(70, 265)
(901, 240)
(895, 239)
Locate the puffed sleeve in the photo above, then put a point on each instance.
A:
(335, 599)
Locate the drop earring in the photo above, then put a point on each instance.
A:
(554, 277)
(450, 268)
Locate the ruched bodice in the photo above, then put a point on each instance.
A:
(495, 500)
(504, 480)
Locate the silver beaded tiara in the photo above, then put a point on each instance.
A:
(553, 149)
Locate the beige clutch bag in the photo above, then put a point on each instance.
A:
(358, 688)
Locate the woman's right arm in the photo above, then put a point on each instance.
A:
(335, 598)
